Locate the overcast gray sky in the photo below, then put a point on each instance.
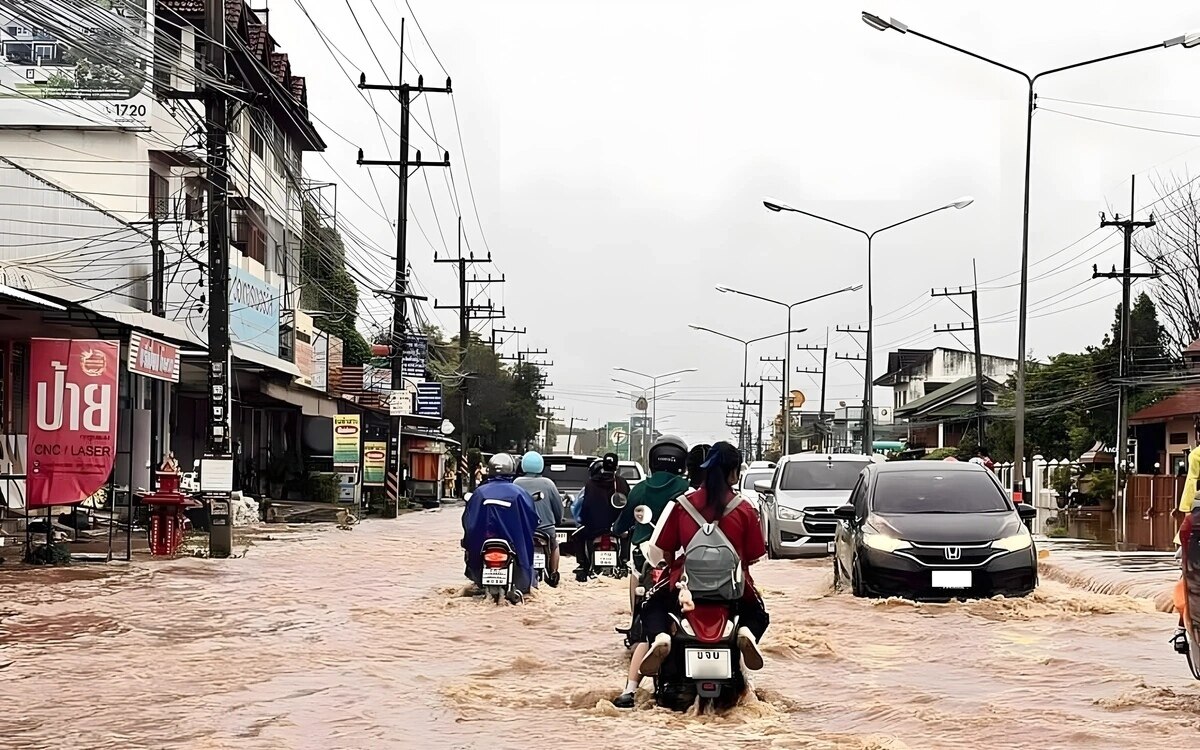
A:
(620, 151)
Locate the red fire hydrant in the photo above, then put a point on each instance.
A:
(167, 507)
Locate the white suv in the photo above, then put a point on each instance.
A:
(799, 500)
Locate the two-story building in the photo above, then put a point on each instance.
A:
(935, 394)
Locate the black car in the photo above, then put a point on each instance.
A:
(933, 530)
(569, 474)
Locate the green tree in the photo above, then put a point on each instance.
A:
(326, 285)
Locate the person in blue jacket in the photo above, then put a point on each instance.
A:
(499, 509)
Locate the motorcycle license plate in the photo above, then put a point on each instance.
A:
(606, 558)
(830, 547)
(495, 576)
(708, 663)
(539, 561)
(561, 536)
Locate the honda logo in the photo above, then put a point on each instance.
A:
(954, 553)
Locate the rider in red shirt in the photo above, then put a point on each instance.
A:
(673, 533)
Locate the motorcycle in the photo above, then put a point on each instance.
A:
(1187, 592)
(704, 663)
(649, 576)
(497, 578)
(541, 553)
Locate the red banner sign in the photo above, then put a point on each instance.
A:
(72, 419)
(153, 358)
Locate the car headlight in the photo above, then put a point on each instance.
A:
(884, 543)
(787, 514)
(1014, 543)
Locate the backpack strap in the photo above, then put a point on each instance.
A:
(686, 503)
(735, 502)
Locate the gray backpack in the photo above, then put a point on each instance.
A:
(711, 564)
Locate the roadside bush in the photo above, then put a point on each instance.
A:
(321, 488)
(939, 454)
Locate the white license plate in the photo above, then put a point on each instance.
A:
(560, 536)
(495, 576)
(539, 561)
(606, 558)
(708, 663)
(831, 547)
(951, 579)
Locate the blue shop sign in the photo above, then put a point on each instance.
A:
(253, 312)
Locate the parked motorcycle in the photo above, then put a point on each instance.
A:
(704, 663)
(498, 575)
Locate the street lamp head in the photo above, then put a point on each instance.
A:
(963, 202)
(1187, 40)
(724, 289)
(772, 206)
(880, 24)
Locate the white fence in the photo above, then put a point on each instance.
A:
(1038, 489)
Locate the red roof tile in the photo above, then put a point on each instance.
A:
(257, 39)
(1182, 404)
(233, 10)
(298, 88)
(279, 66)
(1193, 348)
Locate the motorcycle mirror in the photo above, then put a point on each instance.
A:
(619, 500)
(642, 514)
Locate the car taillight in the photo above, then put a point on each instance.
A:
(495, 559)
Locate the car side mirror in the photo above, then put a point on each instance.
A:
(1026, 511)
(763, 486)
(845, 513)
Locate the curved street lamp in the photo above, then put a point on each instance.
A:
(868, 385)
(1187, 41)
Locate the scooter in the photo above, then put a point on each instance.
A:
(649, 576)
(704, 664)
(497, 577)
(541, 553)
(1187, 592)
(606, 557)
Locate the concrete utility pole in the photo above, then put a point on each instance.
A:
(494, 342)
(782, 392)
(867, 436)
(823, 372)
(219, 453)
(466, 313)
(1126, 275)
(955, 328)
(400, 293)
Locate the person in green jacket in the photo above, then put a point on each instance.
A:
(668, 461)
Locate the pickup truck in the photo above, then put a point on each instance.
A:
(569, 474)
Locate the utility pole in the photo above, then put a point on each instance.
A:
(400, 293)
(748, 446)
(824, 377)
(783, 396)
(1126, 275)
(494, 342)
(466, 313)
(867, 450)
(219, 453)
(571, 432)
(760, 421)
(980, 424)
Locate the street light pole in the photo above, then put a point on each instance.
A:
(787, 357)
(868, 387)
(1187, 41)
(654, 393)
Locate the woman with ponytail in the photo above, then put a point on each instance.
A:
(722, 471)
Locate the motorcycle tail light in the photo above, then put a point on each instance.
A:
(495, 559)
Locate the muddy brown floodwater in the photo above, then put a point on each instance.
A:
(359, 639)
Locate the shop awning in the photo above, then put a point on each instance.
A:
(27, 298)
(312, 403)
(253, 356)
(427, 436)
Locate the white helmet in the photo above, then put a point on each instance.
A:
(502, 465)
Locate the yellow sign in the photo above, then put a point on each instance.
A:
(797, 399)
(374, 464)
(347, 434)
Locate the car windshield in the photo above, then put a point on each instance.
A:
(629, 473)
(821, 475)
(750, 477)
(567, 476)
(934, 492)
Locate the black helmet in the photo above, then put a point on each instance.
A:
(669, 453)
(595, 468)
(695, 458)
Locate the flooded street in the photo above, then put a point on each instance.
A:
(359, 639)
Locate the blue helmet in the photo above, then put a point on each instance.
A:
(532, 463)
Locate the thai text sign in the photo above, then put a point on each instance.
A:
(153, 358)
(253, 312)
(374, 464)
(72, 419)
(347, 433)
(412, 357)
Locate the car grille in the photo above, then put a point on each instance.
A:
(819, 522)
(942, 555)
